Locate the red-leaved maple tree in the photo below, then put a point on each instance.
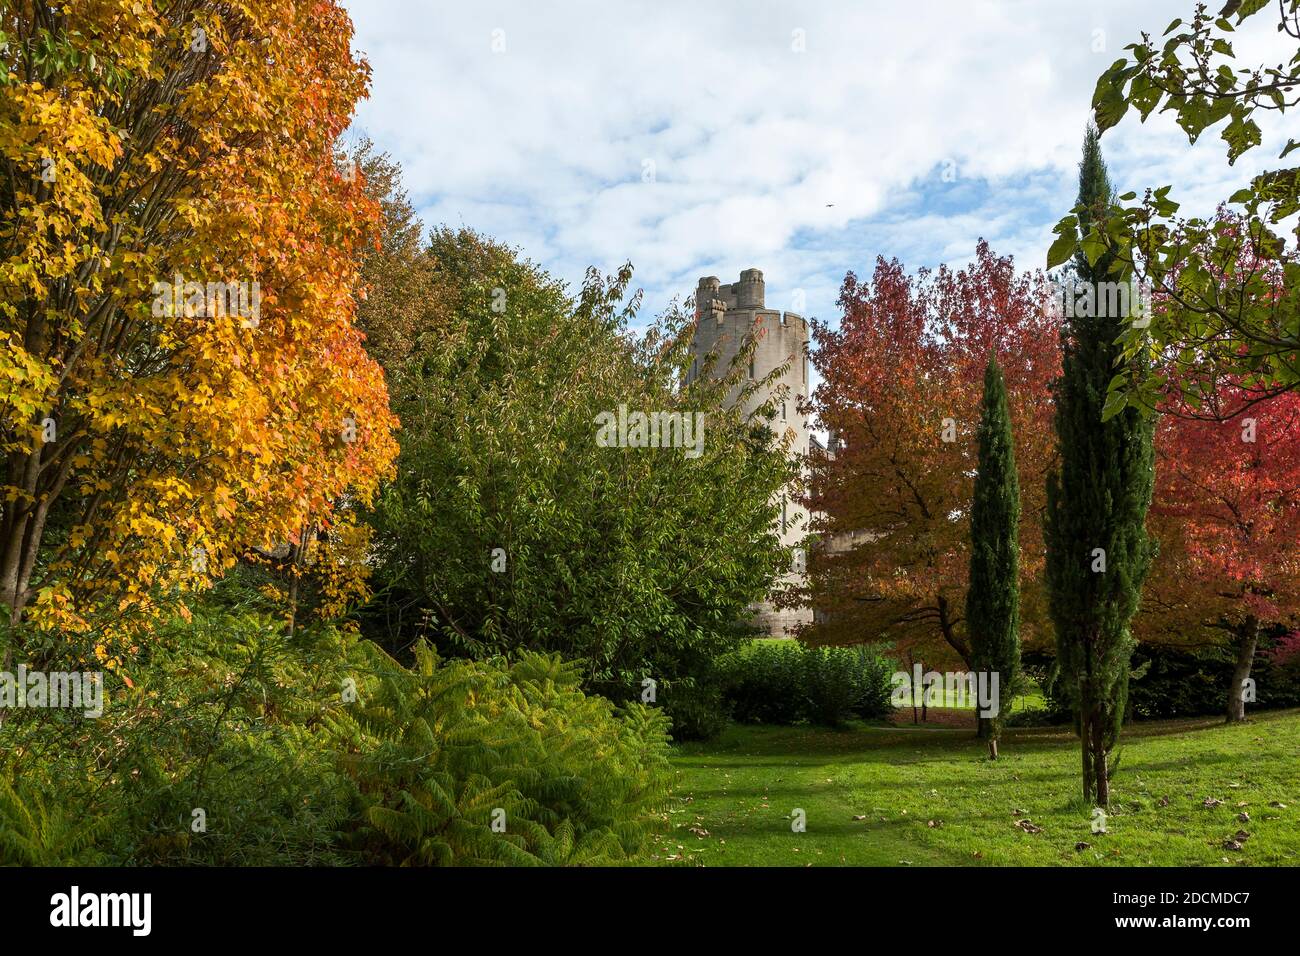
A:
(902, 379)
(1227, 515)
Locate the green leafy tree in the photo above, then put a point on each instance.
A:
(514, 525)
(399, 301)
(1098, 552)
(993, 600)
(1204, 330)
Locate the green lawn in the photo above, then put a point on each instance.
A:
(929, 796)
(1032, 699)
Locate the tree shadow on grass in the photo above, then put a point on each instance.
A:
(876, 844)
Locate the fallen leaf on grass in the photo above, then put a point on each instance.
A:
(1028, 826)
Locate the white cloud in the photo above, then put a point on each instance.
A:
(544, 145)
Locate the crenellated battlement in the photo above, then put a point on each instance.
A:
(747, 293)
(742, 305)
(726, 313)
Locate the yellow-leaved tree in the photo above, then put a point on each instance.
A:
(181, 378)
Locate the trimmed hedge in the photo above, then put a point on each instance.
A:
(787, 682)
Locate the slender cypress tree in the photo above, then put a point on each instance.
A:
(1098, 552)
(993, 597)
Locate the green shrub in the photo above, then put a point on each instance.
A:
(696, 707)
(843, 682)
(476, 762)
(35, 831)
(786, 682)
(764, 684)
(213, 754)
(1169, 682)
(231, 744)
(830, 684)
(876, 677)
(1037, 717)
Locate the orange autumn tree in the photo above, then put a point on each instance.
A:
(902, 383)
(181, 375)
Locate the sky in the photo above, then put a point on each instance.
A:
(804, 139)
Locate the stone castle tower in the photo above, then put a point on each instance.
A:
(726, 314)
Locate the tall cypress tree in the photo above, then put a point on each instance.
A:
(1098, 552)
(993, 597)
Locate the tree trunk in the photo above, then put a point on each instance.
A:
(298, 555)
(292, 601)
(948, 628)
(1246, 641)
(1085, 749)
(993, 748)
(911, 669)
(1100, 772)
